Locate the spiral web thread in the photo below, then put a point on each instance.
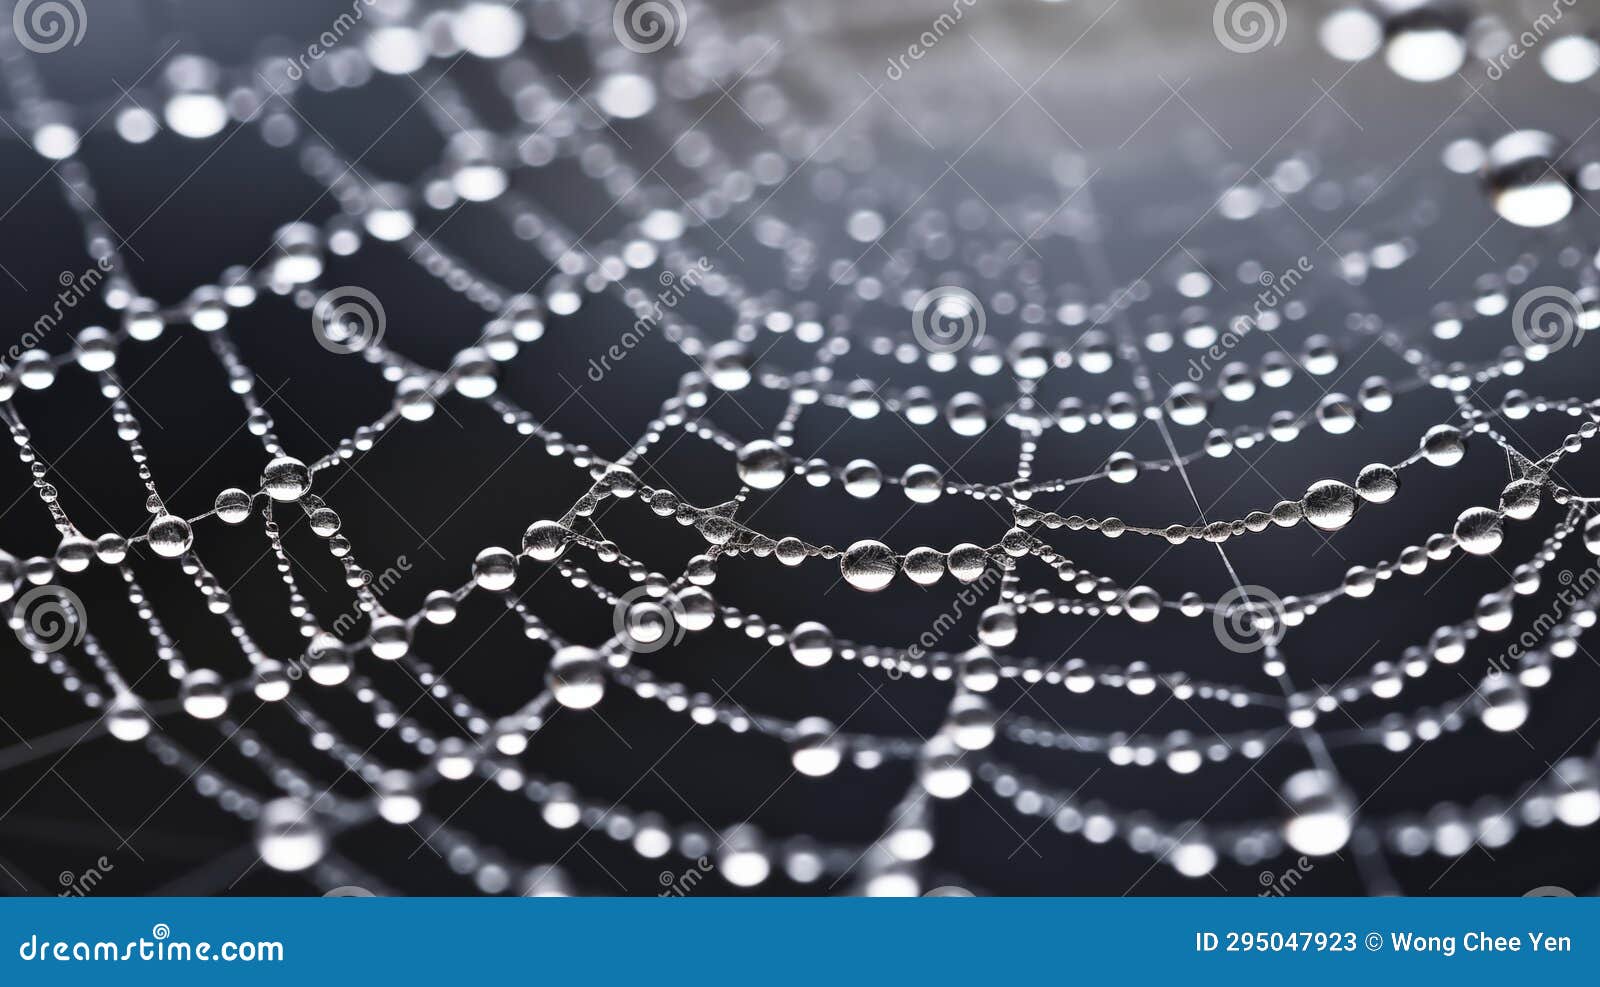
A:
(298, 821)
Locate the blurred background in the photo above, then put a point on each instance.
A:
(1030, 139)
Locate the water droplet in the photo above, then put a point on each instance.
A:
(1377, 483)
(1520, 499)
(170, 536)
(1337, 414)
(390, 638)
(1444, 445)
(816, 750)
(997, 626)
(232, 506)
(495, 569)
(942, 769)
(924, 566)
(868, 565)
(811, 644)
(971, 722)
(1478, 530)
(1321, 813)
(576, 677)
(203, 694)
(126, 718)
(1144, 604)
(545, 541)
(728, 366)
(1330, 504)
(862, 478)
(763, 465)
(1505, 702)
(742, 859)
(286, 479)
(1527, 181)
(1426, 39)
(289, 836)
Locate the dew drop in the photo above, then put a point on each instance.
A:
(1321, 813)
(763, 465)
(1330, 504)
(286, 479)
(576, 677)
(1527, 181)
(868, 565)
(816, 750)
(1478, 530)
(811, 644)
(289, 836)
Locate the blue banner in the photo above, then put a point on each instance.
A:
(775, 940)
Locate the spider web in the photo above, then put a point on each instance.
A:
(807, 271)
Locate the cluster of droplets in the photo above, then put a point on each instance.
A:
(1431, 40)
(1421, 40)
